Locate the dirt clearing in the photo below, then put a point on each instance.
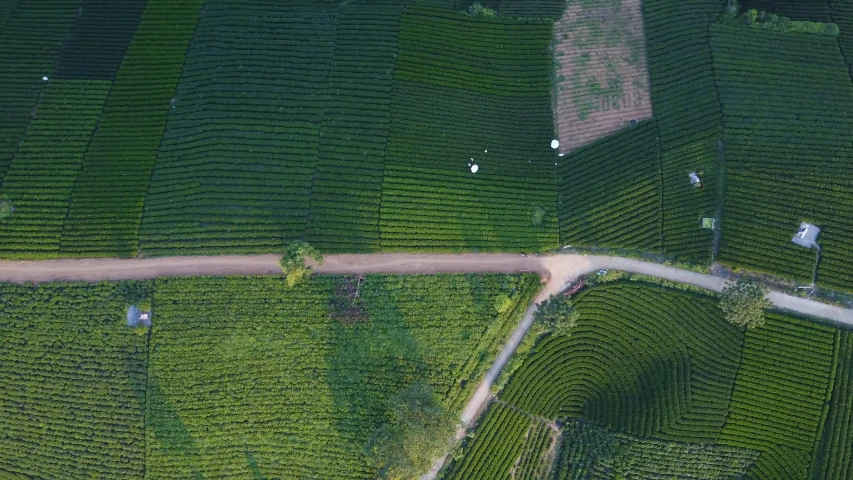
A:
(602, 79)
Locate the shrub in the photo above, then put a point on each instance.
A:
(293, 261)
(502, 303)
(477, 8)
(744, 303)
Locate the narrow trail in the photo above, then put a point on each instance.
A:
(557, 270)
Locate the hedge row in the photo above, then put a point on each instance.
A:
(97, 44)
(73, 399)
(294, 391)
(778, 399)
(28, 54)
(643, 360)
(235, 168)
(834, 455)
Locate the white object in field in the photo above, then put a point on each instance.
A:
(806, 236)
(485, 151)
(555, 144)
(44, 78)
(560, 155)
(694, 179)
(474, 168)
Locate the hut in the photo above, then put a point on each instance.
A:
(806, 236)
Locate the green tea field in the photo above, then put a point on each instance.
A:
(655, 382)
(238, 377)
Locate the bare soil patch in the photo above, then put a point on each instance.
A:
(602, 79)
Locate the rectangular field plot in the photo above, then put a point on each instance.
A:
(251, 380)
(348, 180)
(688, 113)
(610, 192)
(443, 116)
(786, 104)
(110, 190)
(41, 177)
(99, 39)
(72, 404)
(234, 172)
(28, 54)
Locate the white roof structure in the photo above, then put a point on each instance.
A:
(806, 236)
(474, 168)
(555, 144)
(694, 179)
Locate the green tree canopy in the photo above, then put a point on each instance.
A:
(417, 433)
(558, 313)
(293, 261)
(743, 303)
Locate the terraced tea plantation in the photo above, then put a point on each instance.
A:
(655, 382)
(786, 154)
(240, 125)
(238, 377)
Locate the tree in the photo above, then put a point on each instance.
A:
(502, 303)
(417, 433)
(743, 303)
(293, 261)
(558, 313)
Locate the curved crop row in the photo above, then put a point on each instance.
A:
(834, 459)
(642, 359)
(779, 396)
(496, 448)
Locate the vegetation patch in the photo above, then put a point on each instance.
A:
(284, 380)
(41, 178)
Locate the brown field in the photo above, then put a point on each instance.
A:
(602, 80)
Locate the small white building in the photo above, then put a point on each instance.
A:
(694, 179)
(806, 236)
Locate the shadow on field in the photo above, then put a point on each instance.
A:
(370, 362)
(165, 427)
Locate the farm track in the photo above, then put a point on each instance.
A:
(557, 270)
